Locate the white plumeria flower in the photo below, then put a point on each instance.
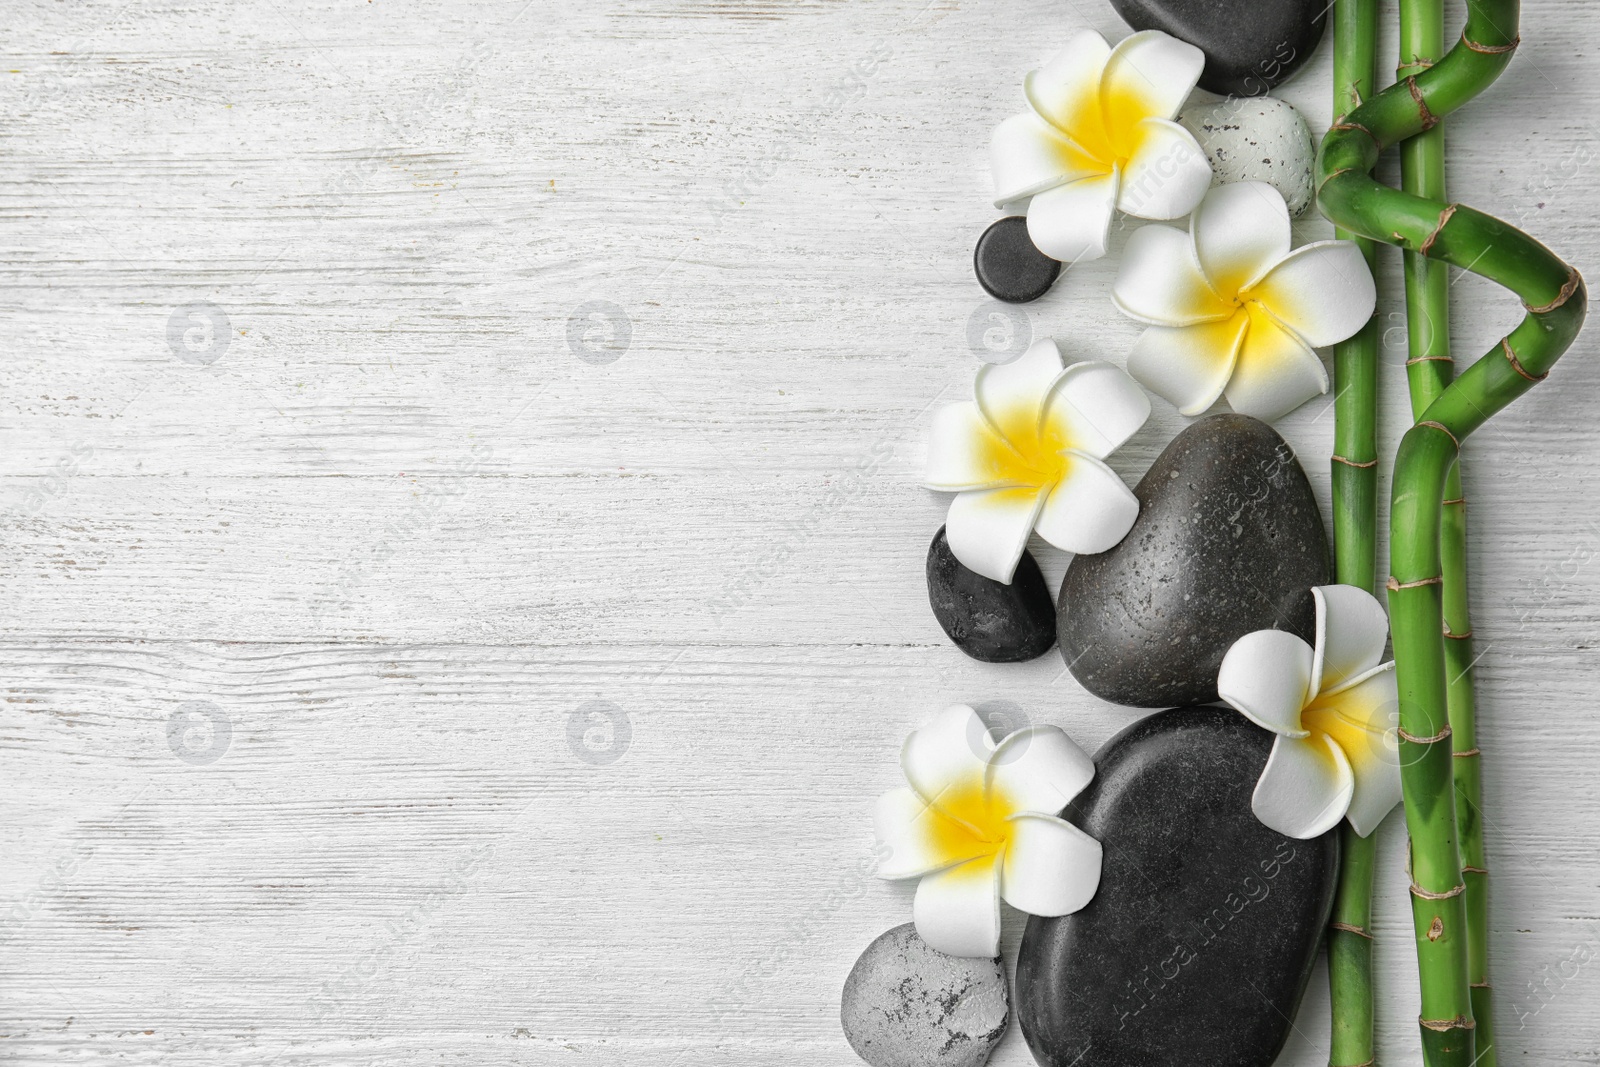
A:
(1026, 455)
(1232, 310)
(1331, 706)
(979, 823)
(1100, 137)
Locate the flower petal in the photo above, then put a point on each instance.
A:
(1090, 509)
(1027, 155)
(1167, 175)
(965, 452)
(1148, 73)
(1070, 222)
(1266, 675)
(1038, 768)
(918, 838)
(1275, 372)
(1351, 632)
(1305, 789)
(988, 528)
(957, 911)
(1094, 407)
(1188, 366)
(947, 755)
(1012, 395)
(1323, 292)
(1050, 867)
(1066, 91)
(1240, 231)
(1160, 281)
(1360, 717)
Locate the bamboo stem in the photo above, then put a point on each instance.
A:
(1355, 521)
(1555, 299)
(1429, 370)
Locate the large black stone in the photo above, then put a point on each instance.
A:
(989, 621)
(1228, 540)
(1199, 942)
(1009, 266)
(1250, 45)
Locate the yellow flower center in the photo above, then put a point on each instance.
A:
(1026, 450)
(974, 824)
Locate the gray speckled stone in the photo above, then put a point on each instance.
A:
(1256, 139)
(1228, 540)
(907, 1005)
(1198, 945)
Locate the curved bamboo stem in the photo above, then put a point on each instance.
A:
(1429, 370)
(1555, 299)
(1355, 522)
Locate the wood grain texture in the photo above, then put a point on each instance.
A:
(416, 679)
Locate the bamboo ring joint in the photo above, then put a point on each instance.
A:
(1418, 891)
(1511, 357)
(1414, 739)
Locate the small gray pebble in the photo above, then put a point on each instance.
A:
(1256, 139)
(908, 1005)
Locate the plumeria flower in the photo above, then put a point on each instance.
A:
(979, 823)
(1100, 137)
(1232, 310)
(1331, 707)
(1026, 455)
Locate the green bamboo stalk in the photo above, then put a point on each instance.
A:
(1429, 370)
(1555, 299)
(1355, 539)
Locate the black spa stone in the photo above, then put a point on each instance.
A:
(1009, 267)
(1228, 540)
(1198, 945)
(1250, 45)
(989, 621)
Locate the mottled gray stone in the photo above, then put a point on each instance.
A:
(1256, 139)
(1198, 945)
(907, 1005)
(1228, 540)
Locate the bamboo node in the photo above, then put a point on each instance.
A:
(1467, 753)
(1351, 928)
(1414, 739)
(1460, 1022)
(1511, 357)
(1570, 286)
(1455, 636)
(1418, 891)
(1429, 121)
(1353, 126)
(1475, 870)
(1491, 49)
(1395, 585)
(1430, 359)
(1480, 985)
(1442, 428)
(1456, 500)
(1353, 463)
(1426, 247)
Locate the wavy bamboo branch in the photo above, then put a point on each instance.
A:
(1554, 297)
(1429, 370)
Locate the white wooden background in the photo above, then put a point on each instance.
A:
(306, 627)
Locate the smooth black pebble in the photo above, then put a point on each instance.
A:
(1228, 541)
(1200, 941)
(989, 621)
(1250, 45)
(1008, 265)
